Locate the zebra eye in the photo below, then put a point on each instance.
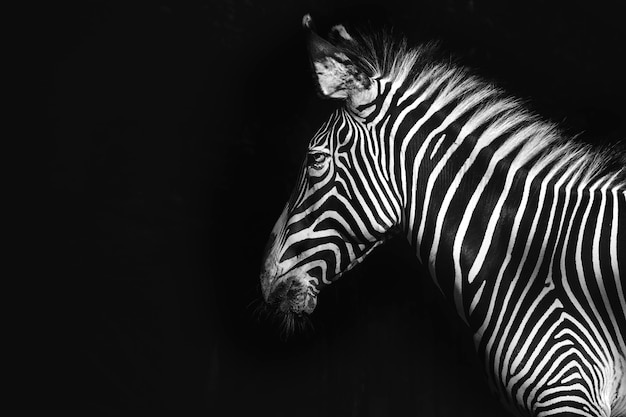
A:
(316, 160)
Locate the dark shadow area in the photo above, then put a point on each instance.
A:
(176, 134)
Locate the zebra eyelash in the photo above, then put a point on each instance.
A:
(316, 159)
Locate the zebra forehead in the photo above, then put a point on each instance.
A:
(340, 130)
(329, 129)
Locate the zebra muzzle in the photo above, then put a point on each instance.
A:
(290, 295)
(280, 291)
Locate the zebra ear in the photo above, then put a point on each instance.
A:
(336, 74)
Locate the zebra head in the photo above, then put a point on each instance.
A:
(342, 206)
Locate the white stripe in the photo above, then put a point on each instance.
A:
(491, 134)
(598, 273)
(515, 280)
(581, 277)
(518, 334)
(441, 138)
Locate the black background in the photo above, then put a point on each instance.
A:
(176, 133)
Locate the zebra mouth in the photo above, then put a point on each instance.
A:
(288, 303)
(292, 296)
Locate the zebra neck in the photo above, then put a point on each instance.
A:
(452, 159)
(471, 168)
(440, 205)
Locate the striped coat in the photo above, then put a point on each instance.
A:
(521, 226)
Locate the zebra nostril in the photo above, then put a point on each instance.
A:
(280, 290)
(294, 290)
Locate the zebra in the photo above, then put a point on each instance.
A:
(520, 226)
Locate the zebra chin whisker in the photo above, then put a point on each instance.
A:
(278, 313)
(292, 324)
(260, 309)
(287, 323)
(254, 303)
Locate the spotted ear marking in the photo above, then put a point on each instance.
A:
(336, 74)
(337, 77)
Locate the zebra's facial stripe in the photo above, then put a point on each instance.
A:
(285, 285)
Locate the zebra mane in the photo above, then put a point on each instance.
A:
(383, 55)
